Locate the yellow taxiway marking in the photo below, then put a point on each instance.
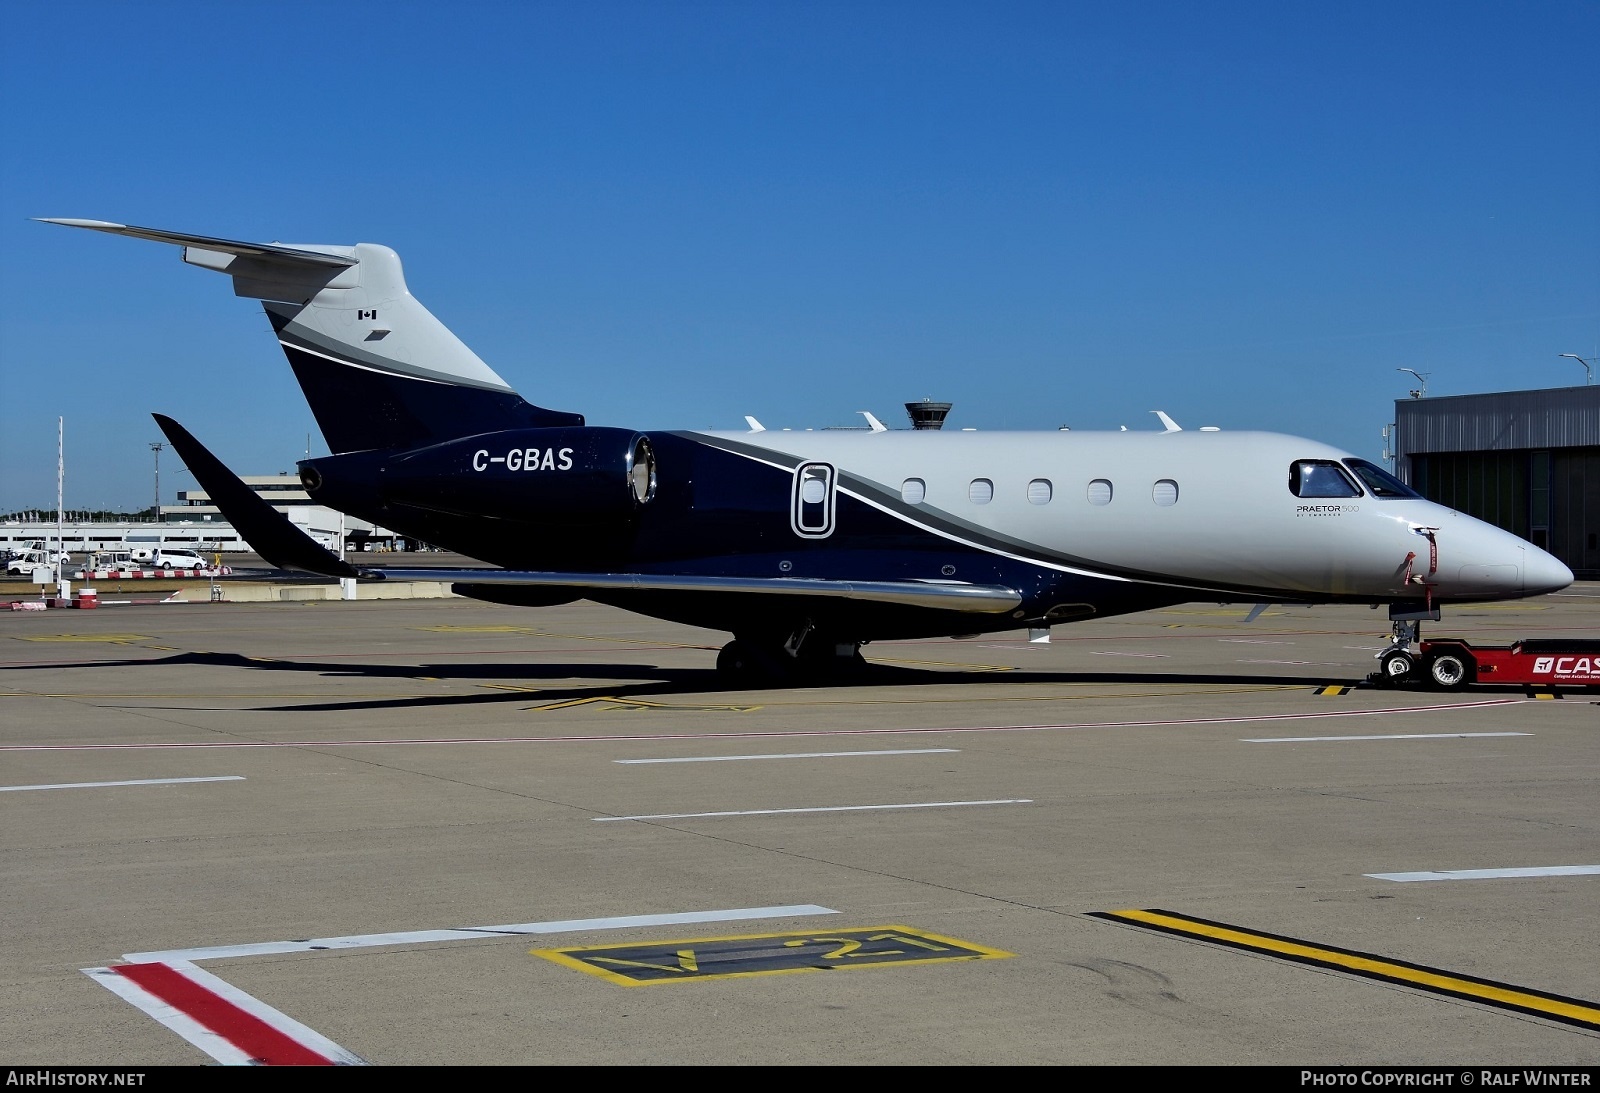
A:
(611, 702)
(446, 629)
(114, 639)
(740, 955)
(1573, 1011)
(947, 664)
(533, 632)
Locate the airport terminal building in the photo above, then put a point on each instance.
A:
(1525, 461)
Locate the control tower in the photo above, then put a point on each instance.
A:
(927, 414)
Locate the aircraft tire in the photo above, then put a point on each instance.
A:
(746, 664)
(1448, 671)
(1397, 667)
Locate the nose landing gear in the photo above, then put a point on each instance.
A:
(1398, 662)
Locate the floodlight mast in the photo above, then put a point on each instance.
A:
(1588, 365)
(1422, 378)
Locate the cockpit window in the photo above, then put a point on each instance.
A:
(1379, 482)
(1321, 478)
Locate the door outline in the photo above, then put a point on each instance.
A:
(813, 519)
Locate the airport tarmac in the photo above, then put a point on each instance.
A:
(392, 832)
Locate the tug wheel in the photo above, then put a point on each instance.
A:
(1448, 671)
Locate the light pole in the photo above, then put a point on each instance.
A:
(1422, 378)
(1586, 364)
(155, 513)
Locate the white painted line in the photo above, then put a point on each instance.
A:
(789, 811)
(457, 741)
(1492, 874)
(1107, 653)
(1256, 641)
(138, 782)
(285, 1024)
(791, 755)
(1380, 736)
(473, 933)
(173, 1018)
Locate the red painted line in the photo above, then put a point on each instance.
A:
(243, 1030)
(1187, 722)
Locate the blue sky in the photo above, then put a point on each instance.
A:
(670, 215)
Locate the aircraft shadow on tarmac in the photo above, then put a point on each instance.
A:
(657, 681)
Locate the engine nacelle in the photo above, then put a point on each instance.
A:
(578, 474)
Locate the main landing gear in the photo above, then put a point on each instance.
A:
(799, 658)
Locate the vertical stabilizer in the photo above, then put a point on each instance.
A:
(378, 370)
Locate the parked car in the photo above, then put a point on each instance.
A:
(177, 558)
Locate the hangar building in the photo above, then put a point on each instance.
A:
(1525, 461)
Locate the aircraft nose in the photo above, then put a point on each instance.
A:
(1543, 572)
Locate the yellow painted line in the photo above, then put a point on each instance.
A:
(947, 664)
(474, 629)
(612, 703)
(1572, 1011)
(740, 956)
(1334, 689)
(531, 632)
(114, 639)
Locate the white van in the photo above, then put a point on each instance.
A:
(178, 558)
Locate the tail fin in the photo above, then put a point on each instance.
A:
(378, 370)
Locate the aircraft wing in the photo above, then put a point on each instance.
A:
(280, 542)
(940, 595)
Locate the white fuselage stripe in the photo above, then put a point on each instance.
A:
(364, 367)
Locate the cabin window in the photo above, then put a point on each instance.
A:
(1321, 478)
(1165, 493)
(1039, 491)
(1100, 492)
(1379, 482)
(913, 491)
(980, 491)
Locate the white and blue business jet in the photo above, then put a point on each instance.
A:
(803, 546)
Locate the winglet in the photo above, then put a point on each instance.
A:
(1171, 426)
(268, 531)
(755, 426)
(877, 426)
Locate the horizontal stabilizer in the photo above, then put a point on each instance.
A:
(271, 251)
(268, 531)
